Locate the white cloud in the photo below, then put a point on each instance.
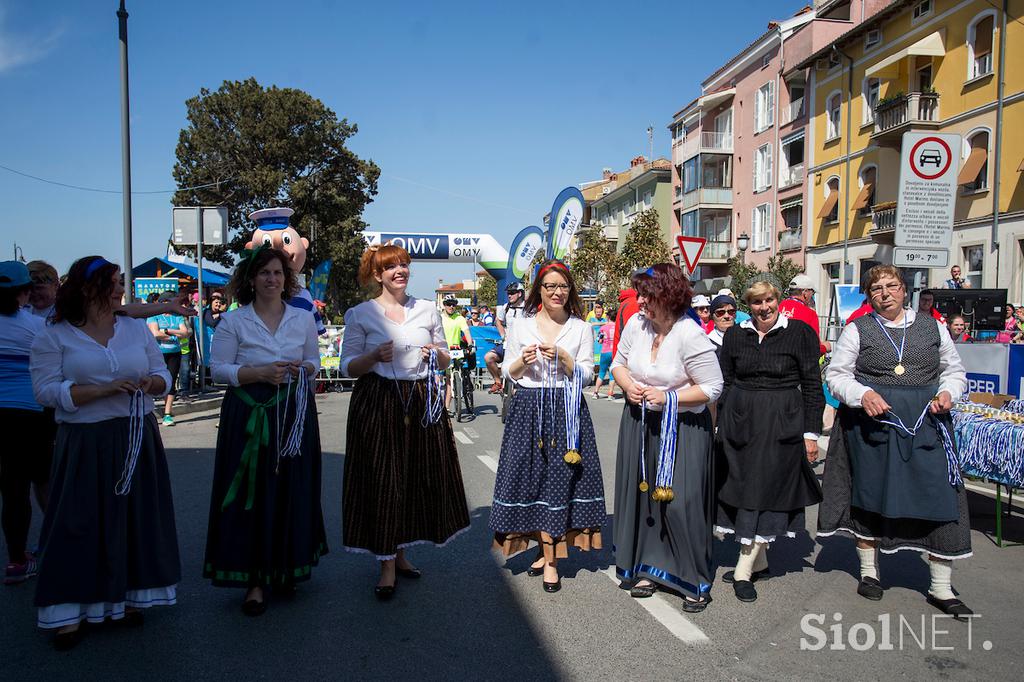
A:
(19, 48)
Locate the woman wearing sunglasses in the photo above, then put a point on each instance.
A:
(723, 316)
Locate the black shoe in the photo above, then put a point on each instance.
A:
(64, 641)
(253, 608)
(553, 587)
(951, 607)
(410, 573)
(763, 574)
(870, 588)
(744, 590)
(643, 591)
(690, 606)
(384, 592)
(534, 572)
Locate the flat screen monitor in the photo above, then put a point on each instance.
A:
(983, 308)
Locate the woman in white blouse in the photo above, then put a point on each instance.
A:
(99, 372)
(403, 484)
(549, 488)
(266, 528)
(664, 500)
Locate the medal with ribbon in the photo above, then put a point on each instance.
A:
(899, 369)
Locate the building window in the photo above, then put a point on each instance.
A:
(974, 173)
(866, 198)
(832, 272)
(765, 61)
(980, 37)
(793, 217)
(922, 8)
(763, 168)
(761, 227)
(690, 175)
(974, 263)
(833, 110)
(871, 89)
(872, 38)
(764, 107)
(689, 224)
(648, 199)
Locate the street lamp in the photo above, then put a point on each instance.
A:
(742, 242)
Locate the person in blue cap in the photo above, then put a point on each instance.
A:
(274, 230)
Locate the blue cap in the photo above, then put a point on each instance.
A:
(269, 219)
(13, 274)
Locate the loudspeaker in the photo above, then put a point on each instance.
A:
(983, 308)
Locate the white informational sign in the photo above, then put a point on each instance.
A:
(924, 211)
(906, 257)
(986, 365)
(186, 226)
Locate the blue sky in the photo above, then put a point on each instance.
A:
(477, 113)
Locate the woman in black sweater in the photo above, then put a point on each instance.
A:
(768, 427)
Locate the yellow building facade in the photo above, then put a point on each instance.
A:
(930, 66)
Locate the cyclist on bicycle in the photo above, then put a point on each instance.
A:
(505, 317)
(456, 333)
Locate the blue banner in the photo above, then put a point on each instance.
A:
(565, 219)
(144, 286)
(419, 246)
(318, 282)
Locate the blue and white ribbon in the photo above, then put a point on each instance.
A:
(990, 448)
(667, 451)
(643, 445)
(136, 424)
(572, 399)
(548, 388)
(952, 465)
(434, 407)
(293, 442)
(903, 341)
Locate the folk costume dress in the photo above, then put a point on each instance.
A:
(266, 527)
(895, 479)
(403, 484)
(108, 538)
(548, 490)
(771, 402)
(667, 542)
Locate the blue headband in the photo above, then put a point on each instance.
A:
(95, 265)
(649, 271)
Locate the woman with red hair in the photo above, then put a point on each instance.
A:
(403, 484)
(549, 488)
(664, 502)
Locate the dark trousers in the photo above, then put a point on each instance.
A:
(25, 458)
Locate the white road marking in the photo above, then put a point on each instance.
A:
(471, 431)
(463, 438)
(674, 621)
(489, 462)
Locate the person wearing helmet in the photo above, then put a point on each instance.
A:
(456, 332)
(506, 315)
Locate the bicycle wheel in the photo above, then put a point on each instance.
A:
(457, 391)
(467, 393)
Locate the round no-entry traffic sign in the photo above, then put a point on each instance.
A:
(929, 154)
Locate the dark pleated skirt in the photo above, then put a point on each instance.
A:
(538, 497)
(666, 542)
(101, 551)
(403, 484)
(281, 538)
(836, 514)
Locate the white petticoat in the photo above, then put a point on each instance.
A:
(59, 615)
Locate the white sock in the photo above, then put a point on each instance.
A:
(761, 558)
(942, 576)
(868, 568)
(745, 564)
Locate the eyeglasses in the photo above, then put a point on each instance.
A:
(890, 288)
(722, 312)
(554, 287)
(701, 307)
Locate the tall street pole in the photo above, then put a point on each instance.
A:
(126, 155)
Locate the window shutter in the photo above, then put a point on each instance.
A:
(768, 166)
(770, 113)
(983, 36)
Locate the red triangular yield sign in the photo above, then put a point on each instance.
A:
(691, 248)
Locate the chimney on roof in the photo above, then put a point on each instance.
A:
(637, 161)
(606, 173)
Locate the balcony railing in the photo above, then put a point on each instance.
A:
(883, 217)
(611, 231)
(708, 195)
(716, 251)
(795, 111)
(707, 142)
(917, 107)
(793, 175)
(791, 240)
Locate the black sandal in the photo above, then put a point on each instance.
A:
(870, 588)
(951, 607)
(643, 591)
(534, 572)
(695, 606)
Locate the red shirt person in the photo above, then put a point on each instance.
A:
(799, 306)
(628, 307)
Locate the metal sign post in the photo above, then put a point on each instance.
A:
(199, 279)
(927, 198)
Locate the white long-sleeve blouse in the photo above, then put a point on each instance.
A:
(366, 327)
(576, 337)
(63, 356)
(242, 339)
(686, 358)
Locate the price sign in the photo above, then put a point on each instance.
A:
(903, 257)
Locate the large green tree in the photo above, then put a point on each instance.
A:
(780, 271)
(593, 261)
(253, 147)
(644, 245)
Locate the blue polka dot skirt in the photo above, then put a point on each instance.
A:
(538, 497)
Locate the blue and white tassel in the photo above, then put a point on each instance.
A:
(667, 451)
(136, 426)
(434, 406)
(573, 397)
